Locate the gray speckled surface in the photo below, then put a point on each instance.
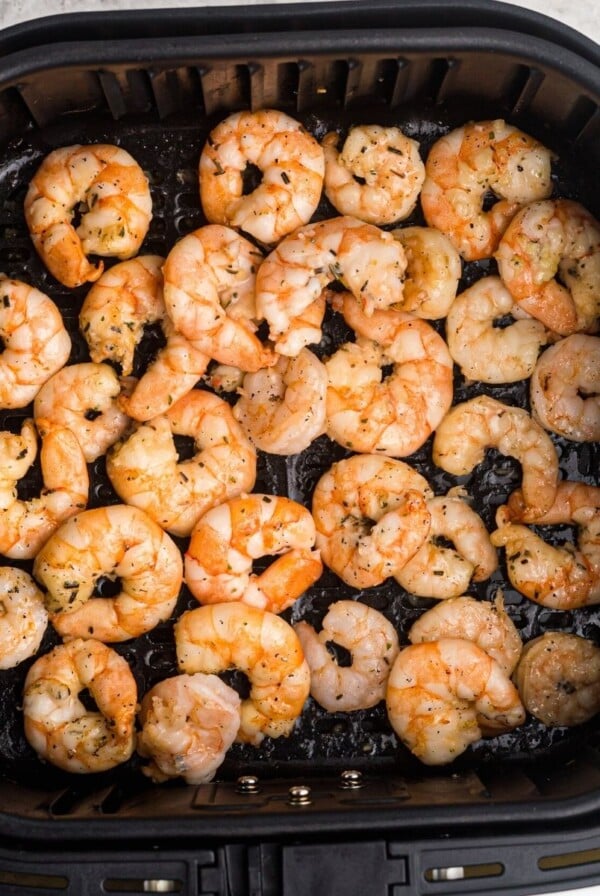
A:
(582, 15)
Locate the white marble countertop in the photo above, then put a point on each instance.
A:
(583, 15)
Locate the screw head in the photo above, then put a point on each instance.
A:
(351, 779)
(247, 784)
(299, 795)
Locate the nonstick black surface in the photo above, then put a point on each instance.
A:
(169, 155)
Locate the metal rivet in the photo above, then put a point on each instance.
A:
(299, 795)
(351, 780)
(247, 784)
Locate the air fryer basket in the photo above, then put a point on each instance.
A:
(156, 83)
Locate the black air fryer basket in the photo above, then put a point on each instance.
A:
(340, 806)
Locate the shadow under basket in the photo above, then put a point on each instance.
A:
(340, 806)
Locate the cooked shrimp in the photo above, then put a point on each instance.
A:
(547, 242)
(57, 724)
(558, 679)
(26, 525)
(188, 724)
(209, 278)
(395, 414)
(560, 578)
(464, 164)
(145, 471)
(445, 695)
(483, 351)
(83, 398)
(263, 646)
(565, 388)
(486, 624)
(377, 175)
(33, 341)
(433, 269)
(483, 422)
(115, 195)
(228, 538)
(115, 542)
(373, 644)
(367, 260)
(444, 572)
(282, 408)
(288, 157)
(371, 517)
(23, 617)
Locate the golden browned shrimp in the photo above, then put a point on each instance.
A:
(483, 422)
(444, 695)
(377, 175)
(291, 163)
(26, 525)
(433, 269)
(371, 517)
(209, 283)
(464, 164)
(228, 538)
(34, 342)
(486, 624)
(445, 572)
(145, 470)
(565, 388)
(118, 209)
(546, 240)
(291, 280)
(83, 398)
(188, 724)
(558, 678)
(264, 646)
(57, 724)
(373, 643)
(117, 542)
(23, 617)
(561, 578)
(395, 414)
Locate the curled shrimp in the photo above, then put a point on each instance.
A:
(261, 644)
(483, 422)
(114, 542)
(556, 238)
(444, 695)
(445, 572)
(34, 342)
(467, 162)
(23, 617)
(145, 471)
(483, 351)
(291, 163)
(209, 281)
(282, 408)
(26, 525)
(115, 195)
(126, 298)
(377, 175)
(83, 398)
(560, 578)
(371, 517)
(395, 414)
(433, 269)
(228, 538)
(291, 279)
(565, 388)
(558, 679)
(484, 623)
(57, 724)
(188, 724)
(373, 644)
